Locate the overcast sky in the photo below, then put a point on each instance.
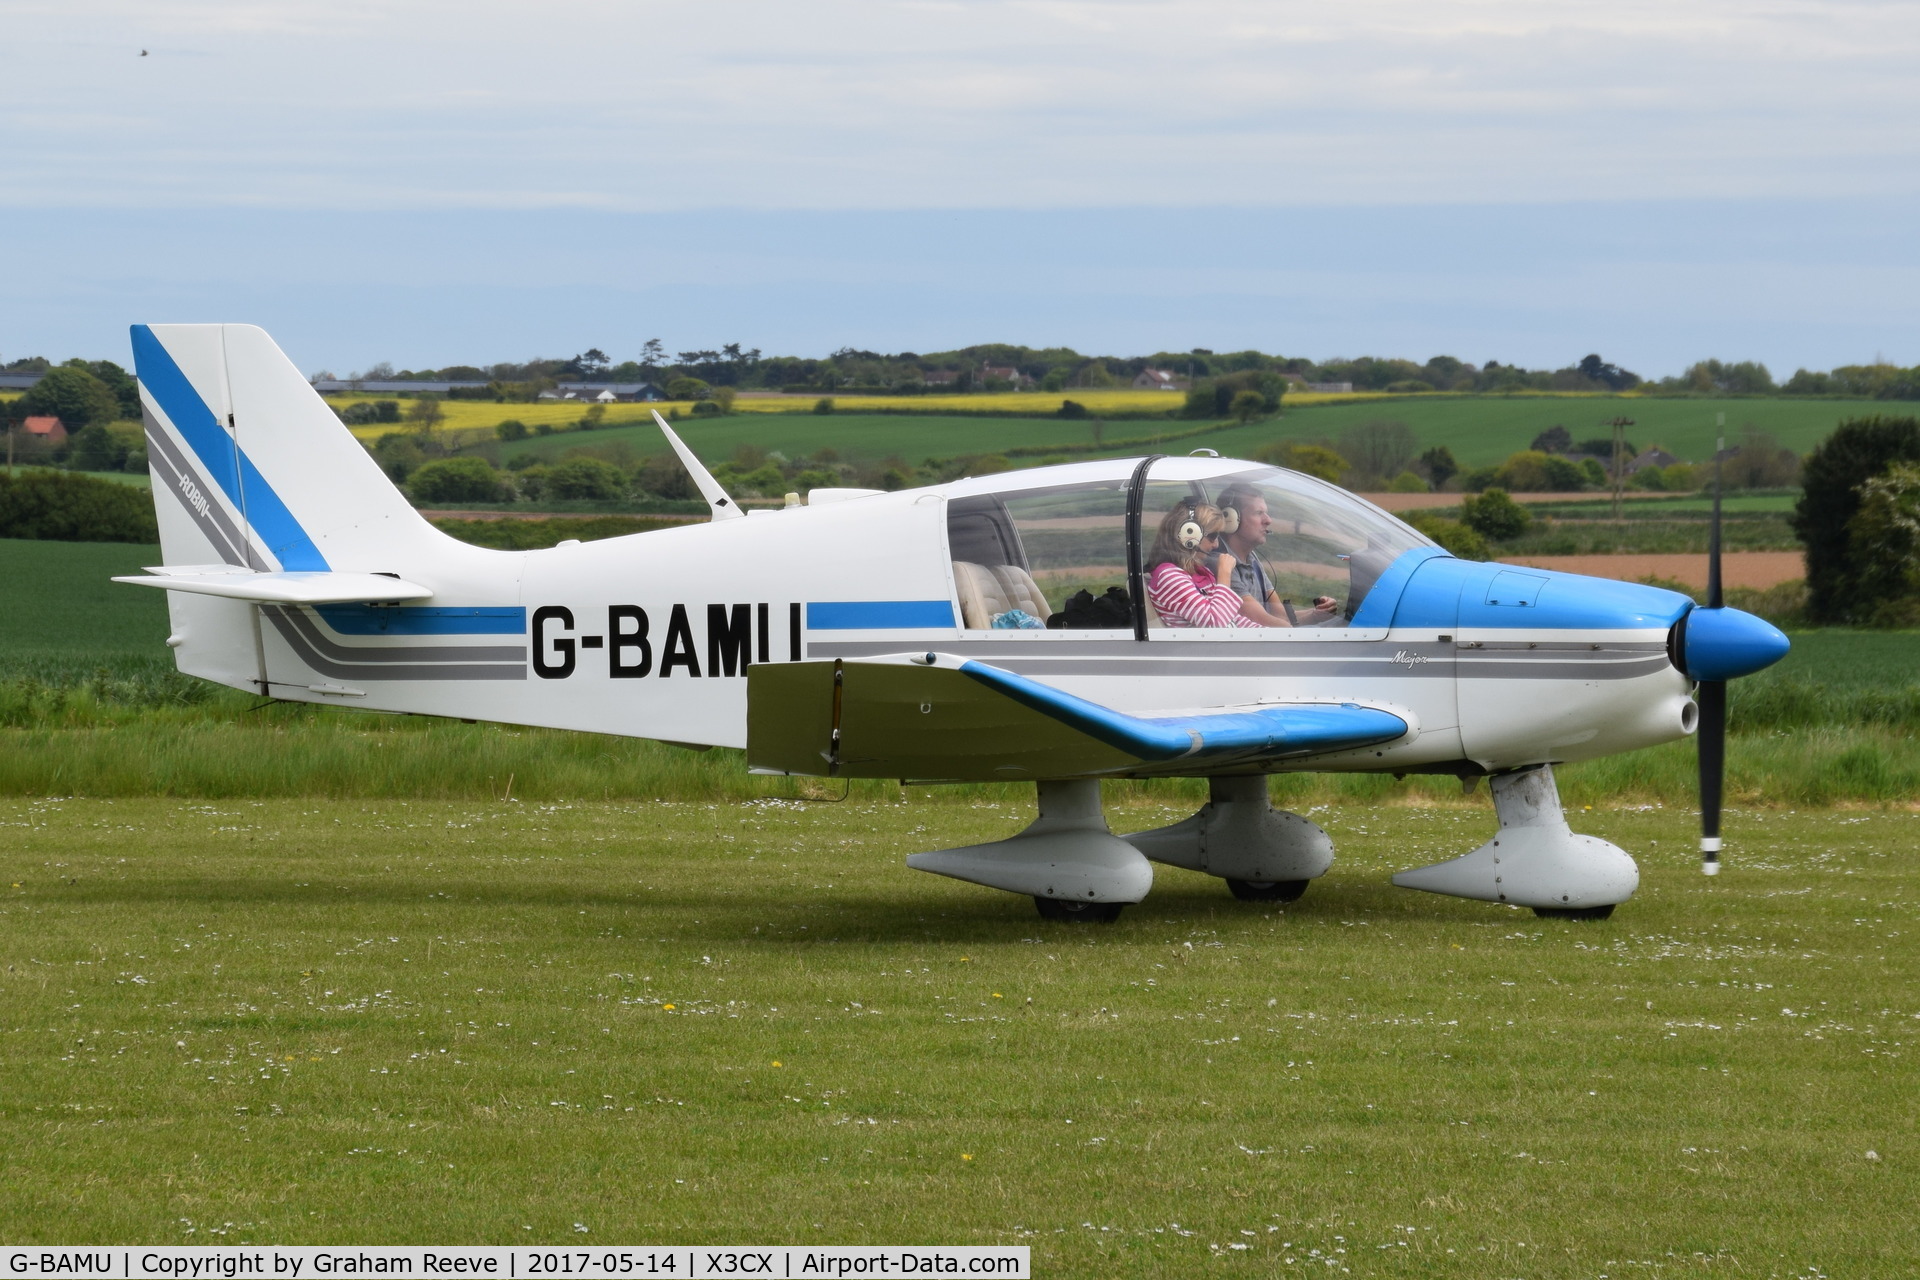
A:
(1660, 181)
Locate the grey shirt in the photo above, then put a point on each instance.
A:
(1249, 579)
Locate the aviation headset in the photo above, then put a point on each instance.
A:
(1190, 535)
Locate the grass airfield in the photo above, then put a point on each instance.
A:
(378, 1021)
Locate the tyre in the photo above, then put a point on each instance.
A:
(1268, 890)
(1074, 912)
(1574, 913)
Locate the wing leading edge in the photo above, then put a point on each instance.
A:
(936, 716)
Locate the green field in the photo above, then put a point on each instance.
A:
(853, 436)
(1481, 430)
(310, 1021)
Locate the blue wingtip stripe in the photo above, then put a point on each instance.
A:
(1290, 730)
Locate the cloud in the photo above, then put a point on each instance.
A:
(854, 104)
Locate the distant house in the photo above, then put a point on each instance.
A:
(1004, 373)
(940, 377)
(1651, 458)
(1330, 388)
(1159, 380)
(609, 392)
(47, 428)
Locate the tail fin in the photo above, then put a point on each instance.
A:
(261, 472)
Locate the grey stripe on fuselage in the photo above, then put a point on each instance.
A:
(395, 653)
(1321, 659)
(214, 523)
(301, 638)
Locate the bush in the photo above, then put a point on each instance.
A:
(1378, 449)
(511, 429)
(69, 508)
(685, 388)
(455, 480)
(365, 413)
(1456, 537)
(1883, 539)
(1440, 466)
(97, 449)
(1407, 482)
(1480, 479)
(1071, 409)
(585, 478)
(1245, 407)
(823, 405)
(1831, 481)
(1315, 460)
(1495, 516)
(705, 409)
(1523, 472)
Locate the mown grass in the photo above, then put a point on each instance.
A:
(313, 1021)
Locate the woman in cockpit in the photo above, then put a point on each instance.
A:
(1189, 574)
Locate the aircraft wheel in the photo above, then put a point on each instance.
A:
(1078, 912)
(1574, 913)
(1268, 890)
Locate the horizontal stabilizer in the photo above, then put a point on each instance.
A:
(295, 587)
(936, 716)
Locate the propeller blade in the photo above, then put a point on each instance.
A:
(1712, 735)
(1714, 598)
(1713, 698)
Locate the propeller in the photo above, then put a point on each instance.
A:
(1713, 700)
(1713, 644)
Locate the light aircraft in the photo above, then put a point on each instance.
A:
(995, 628)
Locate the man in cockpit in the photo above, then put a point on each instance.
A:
(1259, 599)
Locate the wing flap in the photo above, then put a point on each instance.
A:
(294, 587)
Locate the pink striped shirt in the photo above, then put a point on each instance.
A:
(1194, 599)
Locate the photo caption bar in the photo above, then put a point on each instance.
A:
(700, 1262)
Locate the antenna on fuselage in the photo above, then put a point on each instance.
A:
(724, 508)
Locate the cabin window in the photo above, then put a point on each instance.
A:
(1057, 556)
(1301, 539)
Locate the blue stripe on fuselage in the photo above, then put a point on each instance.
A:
(877, 615)
(423, 620)
(227, 465)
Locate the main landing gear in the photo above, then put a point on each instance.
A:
(1076, 870)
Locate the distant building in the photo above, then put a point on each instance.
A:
(940, 377)
(390, 386)
(1004, 373)
(605, 392)
(46, 427)
(1159, 380)
(1651, 458)
(19, 381)
(1329, 388)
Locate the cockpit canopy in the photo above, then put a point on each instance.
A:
(1068, 547)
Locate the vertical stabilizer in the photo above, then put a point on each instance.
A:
(259, 470)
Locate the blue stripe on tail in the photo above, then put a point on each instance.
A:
(226, 464)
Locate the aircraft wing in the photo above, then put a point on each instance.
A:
(295, 587)
(935, 716)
